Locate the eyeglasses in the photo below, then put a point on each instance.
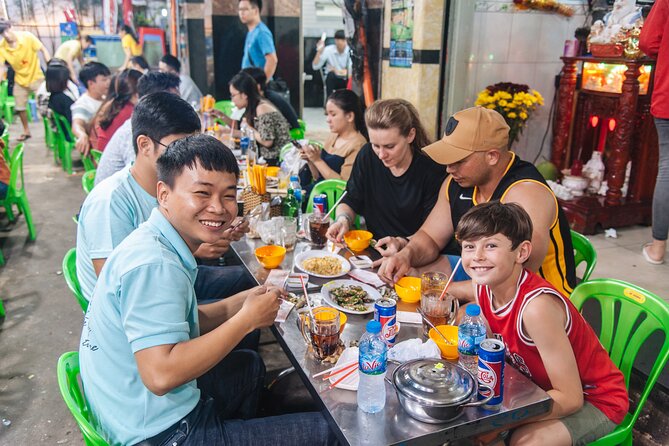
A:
(158, 142)
(234, 95)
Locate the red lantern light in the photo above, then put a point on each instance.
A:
(612, 124)
(594, 120)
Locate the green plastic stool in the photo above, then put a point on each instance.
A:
(624, 331)
(2, 307)
(88, 181)
(583, 252)
(2, 258)
(16, 194)
(68, 372)
(7, 102)
(96, 155)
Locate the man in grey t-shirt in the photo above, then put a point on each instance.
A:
(119, 151)
(188, 90)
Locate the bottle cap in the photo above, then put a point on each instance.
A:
(473, 310)
(294, 178)
(374, 327)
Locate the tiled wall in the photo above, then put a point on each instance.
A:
(522, 47)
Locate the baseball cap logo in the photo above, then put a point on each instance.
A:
(451, 125)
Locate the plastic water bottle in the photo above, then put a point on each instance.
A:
(297, 192)
(471, 332)
(372, 368)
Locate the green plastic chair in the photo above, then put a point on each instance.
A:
(88, 181)
(96, 155)
(583, 252)
(5, 135)
(7, 102)
(303, 125)
(224, 107)
(637, 306)
(16, 195)
(65, 147)
(2, 261)
(296, 133)
(70, 274)
(50, 138)
(333, 189)
(88, 162)
(286, 148)
(2, 307)
(68, 382)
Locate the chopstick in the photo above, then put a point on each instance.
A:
(450, 279)
(334, 384)
(306, 297)
(336, 370)
(334, 206)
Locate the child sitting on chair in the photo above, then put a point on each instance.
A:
(4, 165)
(546, 338)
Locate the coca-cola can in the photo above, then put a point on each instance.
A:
(491, 372)
(385, 311)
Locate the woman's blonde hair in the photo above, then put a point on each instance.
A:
(398, 114)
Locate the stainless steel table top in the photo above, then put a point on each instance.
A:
(522, 398)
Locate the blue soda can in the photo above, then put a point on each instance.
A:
(385, 311)
(321, 203)
(491, 372)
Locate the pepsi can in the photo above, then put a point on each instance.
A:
(491, 372)
(321, 204)
(385, 311)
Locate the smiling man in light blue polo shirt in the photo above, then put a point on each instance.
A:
(157, 367)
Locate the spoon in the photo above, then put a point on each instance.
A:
(353, 255)
(428, 322)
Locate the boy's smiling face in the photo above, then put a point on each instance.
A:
(491, 261)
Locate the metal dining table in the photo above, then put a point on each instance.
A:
(522, 398)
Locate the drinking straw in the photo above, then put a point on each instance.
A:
(450, 279)
(338, 371)
(334, 384)
(336, 203)
(306, 297)
(338, 368)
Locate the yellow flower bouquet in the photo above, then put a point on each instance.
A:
(515, 102)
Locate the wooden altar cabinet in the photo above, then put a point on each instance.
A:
(634, 139)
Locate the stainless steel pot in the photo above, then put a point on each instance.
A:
(435, 391)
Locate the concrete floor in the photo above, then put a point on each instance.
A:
(43, 319)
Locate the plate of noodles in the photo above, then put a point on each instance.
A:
(323, 264)
(350, 296)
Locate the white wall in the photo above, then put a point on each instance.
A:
(508, 45)
(314, 24)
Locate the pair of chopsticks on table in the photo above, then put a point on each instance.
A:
(257, 177)
(349, 368)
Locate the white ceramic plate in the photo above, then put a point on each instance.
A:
(345, 265)
(371, 292)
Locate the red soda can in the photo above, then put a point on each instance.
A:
(491, 372)
(321, 204)
(385, 311)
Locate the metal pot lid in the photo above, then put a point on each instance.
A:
(434, 382)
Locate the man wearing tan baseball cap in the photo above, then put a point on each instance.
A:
(481, 168)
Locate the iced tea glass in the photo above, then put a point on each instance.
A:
(439, 312)
(320, 329)
(318, 228)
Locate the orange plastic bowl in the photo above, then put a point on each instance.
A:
(270, 256)
(448, 351)
(358, 240)
(408, 289)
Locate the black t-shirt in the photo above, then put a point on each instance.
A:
(284, 107)
(60, 103)
(393, 206)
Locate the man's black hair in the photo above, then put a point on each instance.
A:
(339, 34)
(257, 3)
(155, 81)
(91, 70)
(5, 25)
(171, 62)
(161, 114)
(187, 152)
(258, 74)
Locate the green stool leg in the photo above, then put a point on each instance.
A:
(2, 309)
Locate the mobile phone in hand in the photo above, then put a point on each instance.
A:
(297, 144)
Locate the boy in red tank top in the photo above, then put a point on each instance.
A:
(546, 338)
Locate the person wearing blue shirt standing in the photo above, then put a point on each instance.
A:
(259, 48)
(157, 367)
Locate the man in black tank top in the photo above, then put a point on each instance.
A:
(481, 169)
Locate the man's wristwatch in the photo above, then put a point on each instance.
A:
(348, 219)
